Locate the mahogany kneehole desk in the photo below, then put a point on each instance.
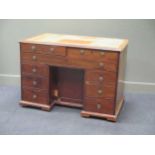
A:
(76, 71)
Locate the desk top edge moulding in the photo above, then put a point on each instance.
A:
(85, 72)
(100, 43)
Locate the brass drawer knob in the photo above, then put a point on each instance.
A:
(101, 64)
(34, 96)
(33, 47)
(82, 52)
(87, 82)
(51, 49)
(34, 57)
(98, 106)
(34, 70)
(100, 91)
(100, 78)
(34, 83)
(102, 53)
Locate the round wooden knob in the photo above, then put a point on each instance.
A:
(34, 96)
(34, 83)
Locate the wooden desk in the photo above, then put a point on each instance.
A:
(77, 71)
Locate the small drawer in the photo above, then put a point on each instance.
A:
(101, 105)
(35, 82)
(38, 70)
(44, 49)
(92, 55)
(104, 66)
(35, 95)
(34, 58)
(32, 48)
(54, 50)
(100, 76)
(99, 90)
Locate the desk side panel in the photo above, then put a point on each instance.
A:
(121, 77)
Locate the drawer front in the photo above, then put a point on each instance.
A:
(100, 76)
(35, 82)
(34, 95)
(44, 49)
(37, 70)
(101, 105)
(35, 58)
(99, 90)
(92, 55)
(93, 65)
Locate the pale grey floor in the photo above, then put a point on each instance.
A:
(137, 117)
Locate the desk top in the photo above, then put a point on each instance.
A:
(79, 41)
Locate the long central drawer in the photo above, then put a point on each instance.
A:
(68, 62)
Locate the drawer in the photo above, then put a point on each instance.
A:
(93, 65)
(35, 82)
(99, 90)
(100, 76)
(92, 55)
(35, 95)
(38, 70)
(104, 66)
(35, 58)
(101, 105)
(44, 49)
